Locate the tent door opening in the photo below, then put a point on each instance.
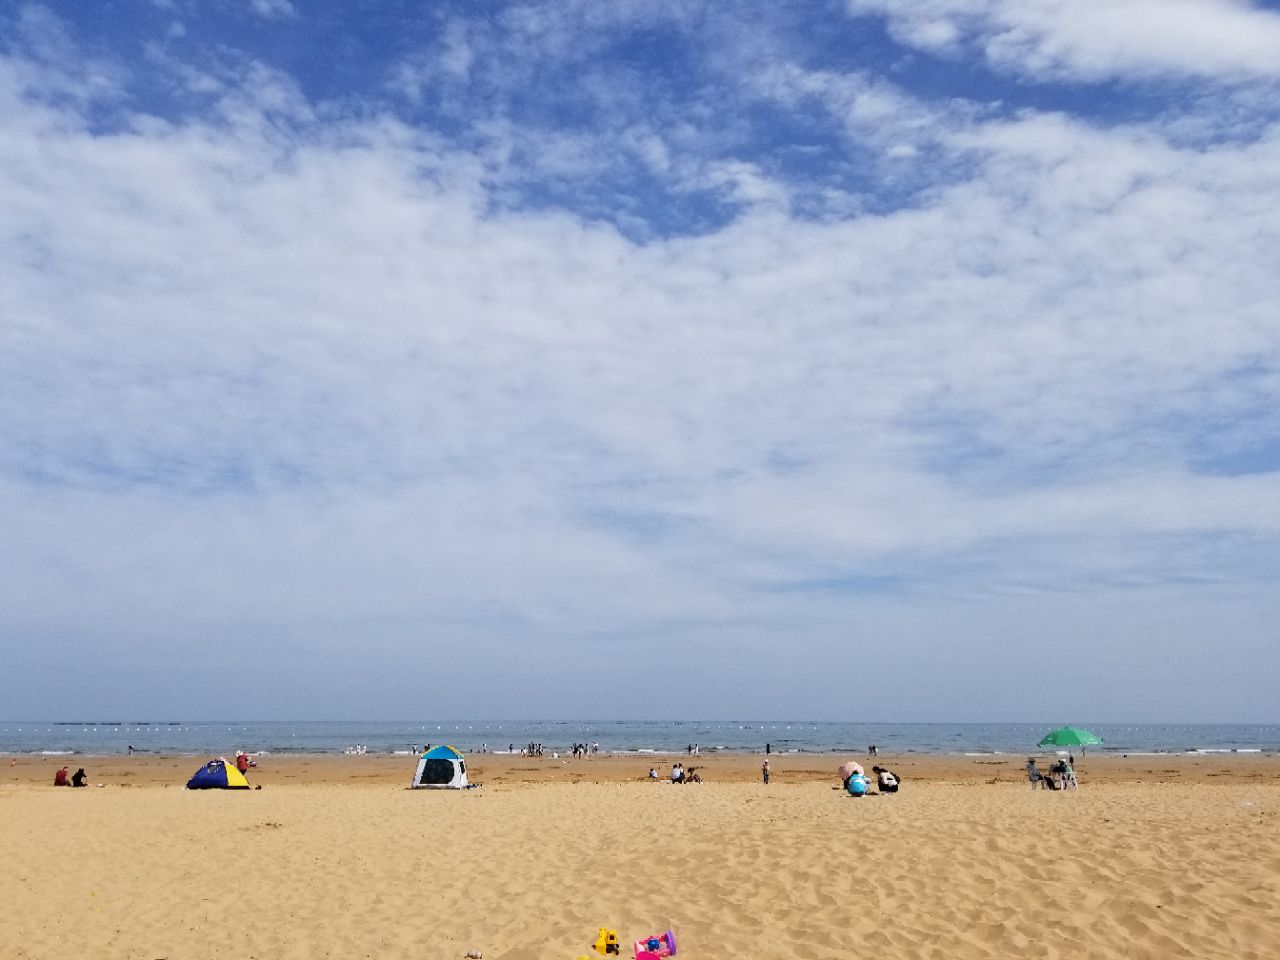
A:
(436, 773)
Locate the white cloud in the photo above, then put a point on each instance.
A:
(273, 9)
(260, 377)
(1228, 39)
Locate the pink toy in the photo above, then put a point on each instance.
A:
(655, 948)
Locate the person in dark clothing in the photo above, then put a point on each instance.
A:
(78, 778)
(886, 779)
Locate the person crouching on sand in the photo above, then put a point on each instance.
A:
(886, 779)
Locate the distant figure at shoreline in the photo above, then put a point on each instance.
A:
(768, 748)
(872, 751)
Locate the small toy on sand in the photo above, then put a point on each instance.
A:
(655, 948)
(607, 943)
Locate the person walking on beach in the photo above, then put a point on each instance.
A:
(764, 773)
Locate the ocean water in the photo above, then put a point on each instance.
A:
(111, 736)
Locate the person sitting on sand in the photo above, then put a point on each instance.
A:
(653, 773)
(79, 777)
(677, 773)
(886, 779)
(60, 778)
(693, 776)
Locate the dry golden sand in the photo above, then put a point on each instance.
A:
(1153, 857)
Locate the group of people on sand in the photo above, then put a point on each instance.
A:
(859, 784)
(77, 779)
(581, 750)
(1061, 776)
(680, 775)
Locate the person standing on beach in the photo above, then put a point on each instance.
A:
(764, 772)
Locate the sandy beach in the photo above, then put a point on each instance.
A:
(1153, 857)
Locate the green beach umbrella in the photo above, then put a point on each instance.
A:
(1069, 737)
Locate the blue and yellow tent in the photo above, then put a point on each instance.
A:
(441, 768)
(218, 775)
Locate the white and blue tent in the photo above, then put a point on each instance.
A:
(441, 768)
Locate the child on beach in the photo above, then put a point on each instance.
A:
(764, 772)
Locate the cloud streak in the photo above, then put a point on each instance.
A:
(1230, 40)
(282, 379)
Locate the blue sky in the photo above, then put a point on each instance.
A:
(841, 360)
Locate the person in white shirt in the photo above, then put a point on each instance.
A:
(886, 779)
